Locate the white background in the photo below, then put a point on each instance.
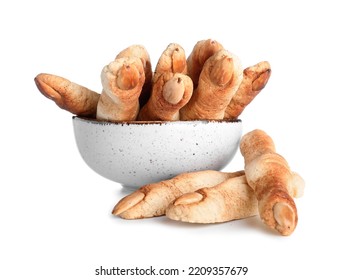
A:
(55, 213)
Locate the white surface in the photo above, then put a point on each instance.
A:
(55, 212)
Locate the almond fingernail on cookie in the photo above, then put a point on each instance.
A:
(172, 60)
(230, 200)
(170, 93)
(141, 52)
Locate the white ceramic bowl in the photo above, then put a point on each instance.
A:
(137, 153)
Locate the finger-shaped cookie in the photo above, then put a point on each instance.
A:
(152, 200)
(230, 200)
(122, 82)
(172, 60)
(254, 80)
(68, 95)
(199, 55)
(269, 175)
(220, 78)
(170, 93)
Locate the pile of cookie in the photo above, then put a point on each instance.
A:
(208, 84)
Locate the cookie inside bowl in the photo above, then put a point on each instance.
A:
(138, 153)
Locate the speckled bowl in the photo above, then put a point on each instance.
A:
(137, 153)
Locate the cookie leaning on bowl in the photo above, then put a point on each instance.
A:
(68, 95)
(254, 80)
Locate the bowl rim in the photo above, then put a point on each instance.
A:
(104, 122)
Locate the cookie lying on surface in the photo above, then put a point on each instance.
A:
(153, 199)
(274, 184)
(230, 200)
